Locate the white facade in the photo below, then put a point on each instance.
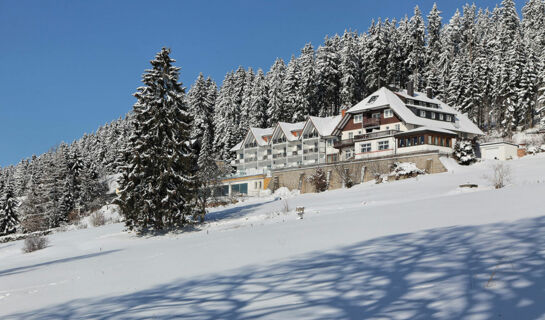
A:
(499, 151)
(286, 145)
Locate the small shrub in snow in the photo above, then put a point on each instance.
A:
(97, 219)
(34, 242)
(464, 152)
(285, 206)
(319, 180)
(533, 150)
(501, 175)
(405, 169)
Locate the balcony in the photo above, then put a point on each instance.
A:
(371, 122)
(343, 143)
(374, 135)
(279, 155)
(311, 150)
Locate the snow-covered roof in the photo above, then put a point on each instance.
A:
(260, 133)
(325, 126)
(422, 129)
(289, 128)
(238, 146)
(384, 97)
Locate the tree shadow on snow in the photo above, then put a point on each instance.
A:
(31, 267)
(480, 272)
(234, 212)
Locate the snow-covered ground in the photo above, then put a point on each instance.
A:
(412, 249)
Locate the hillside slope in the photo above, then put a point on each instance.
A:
(411, 249)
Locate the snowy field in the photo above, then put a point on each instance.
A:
(413, 249)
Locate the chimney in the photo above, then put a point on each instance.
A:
(410, 88)
(429, 92)
(343, 112)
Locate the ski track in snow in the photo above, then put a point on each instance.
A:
(410, 249)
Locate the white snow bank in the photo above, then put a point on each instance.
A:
(284, 192)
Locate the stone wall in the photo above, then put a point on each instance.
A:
(297, 178)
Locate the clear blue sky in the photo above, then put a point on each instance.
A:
(67, 67)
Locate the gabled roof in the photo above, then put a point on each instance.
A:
(259, 135)
(238, 146)
(386, 97)
(325, 126)
(289, 128)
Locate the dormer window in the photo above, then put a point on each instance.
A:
(441, 117)
(358, 118)
(422, 113)
(433, 115)
(372, 99)
(449, 118)
(388, 113)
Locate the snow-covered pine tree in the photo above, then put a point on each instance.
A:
(307, 77)
(225, 120)
(158, 185)
(416, 48)
(243, 120)
(275, 78)
(202, 109)
(290, 91)
(464, 152)
(328, 78)
(349, 94)
(8, 210)
(433, 48)
(258, 101)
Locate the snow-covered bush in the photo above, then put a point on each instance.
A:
(319, 180)
(501, 175)
(97, 219)
(35, 242)
(464, 152)
(533, 150)
(405, 169)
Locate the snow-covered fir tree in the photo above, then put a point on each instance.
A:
(275, 78)
(258, 101)
(328, 77)
(464, 152)
(158, 185)
(8, 210)
(201, 106)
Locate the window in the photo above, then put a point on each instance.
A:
(401, 143)
(441, 116)
(433, 115)
(348, 153)
(415, 141)
(365, 147)
(422, 113)
(241, 155)
(398, 127)
(436, 141)
(388, 113)
(359, 131)
(358, 118)
(376, 115)
(329, 142)
(372, 99)
(449, 118)
(421, 139)
(448, 142)
(429, 140)
(350, 135)
(383, 145)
